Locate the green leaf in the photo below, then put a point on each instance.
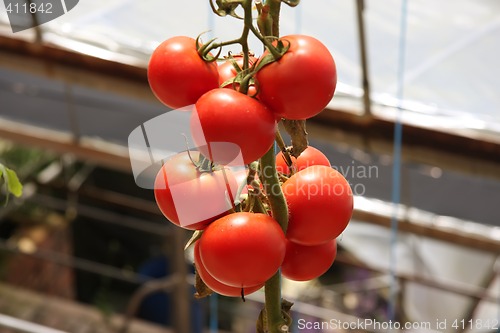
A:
(14, 185)
(12, 182)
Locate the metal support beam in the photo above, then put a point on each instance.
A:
(181, 298)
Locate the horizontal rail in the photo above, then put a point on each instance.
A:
(24, 326)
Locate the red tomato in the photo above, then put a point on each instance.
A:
(218, 287)
(177, 75)
(179, 187)
(227, 71)
(231, 128)
(310, 156)
(302, 82)
(320, 203)
(303, 263)
(243, 249)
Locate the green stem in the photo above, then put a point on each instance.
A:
(275, 321)
(267, 43)
(272, 186)
(247, 7)
(279, 208)
(274, 10)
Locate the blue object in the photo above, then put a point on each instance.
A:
(158, 307)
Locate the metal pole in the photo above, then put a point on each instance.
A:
(182, 304)
(360, 7)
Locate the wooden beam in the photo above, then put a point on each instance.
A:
(374, 135)
(467, 145)
(453, 236)
(95, 151)
(53, 55)
(128, 79)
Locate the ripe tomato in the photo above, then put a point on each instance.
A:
(310, 156)
(218, 287)
(227, 71)
(231, 128)
(179, 187)
(303, 263)
(302, 82)
(243, 249)
(177, 75)
(320, 203)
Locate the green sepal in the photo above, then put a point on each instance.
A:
(291, 3)
(204, 50)
(225, 7)
(269, 58)
(196, 235)
(202, 290)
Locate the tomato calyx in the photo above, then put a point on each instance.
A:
(275, 52)
(204, 164)
(204, 49)
(244, 66)
(225, 7)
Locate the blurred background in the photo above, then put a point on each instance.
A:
(85, 249)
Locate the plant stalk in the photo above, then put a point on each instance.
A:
(274, 11)
(279, 208)
(272, 186)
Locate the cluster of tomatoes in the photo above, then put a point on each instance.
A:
(297, 86)
(241, 247)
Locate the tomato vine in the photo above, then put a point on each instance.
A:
(248, 233)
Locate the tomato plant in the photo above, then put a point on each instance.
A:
(302, 82)
(180, 186)
(303, 263)
(214, 284)
(310, 156)
(243, 249)
(177, 75)
(320, 203)
(234, 123)
(228, 124)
